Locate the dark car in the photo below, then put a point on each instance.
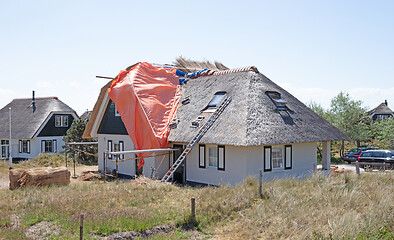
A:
(373, 159)
(354, 153)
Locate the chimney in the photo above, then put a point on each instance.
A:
(385, 102)
(33, 102)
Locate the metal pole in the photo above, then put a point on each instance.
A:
(9, 144)
(358, 168)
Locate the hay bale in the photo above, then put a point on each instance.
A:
(14, 176)
(39, 177)
(89, 176)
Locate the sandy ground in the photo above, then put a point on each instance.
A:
(4, 181)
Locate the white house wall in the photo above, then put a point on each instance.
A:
(159, 163)
(35, 146)
(124, 167)
(241, 162)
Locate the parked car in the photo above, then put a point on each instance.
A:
(376, 156)
(354, 153)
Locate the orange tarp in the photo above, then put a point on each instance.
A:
(146, 98)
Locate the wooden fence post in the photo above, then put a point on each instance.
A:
(193, 210)
(81, 226)
(314, 168)
(261, 183)
(358, 168)
(65, 154)
(74, 166)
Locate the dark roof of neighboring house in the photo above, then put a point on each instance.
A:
(251, 118)
(381, 109)
(86, 116)
(25, 122)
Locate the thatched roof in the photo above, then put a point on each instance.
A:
(25, 121)
(383, 108)
(187, 65)
(251, 118)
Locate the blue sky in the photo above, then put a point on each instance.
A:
(313, 49)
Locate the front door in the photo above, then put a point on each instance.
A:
(180, 173)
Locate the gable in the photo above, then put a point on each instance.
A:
(50, 128)
(110, 123)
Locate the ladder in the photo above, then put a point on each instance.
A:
(196, 138)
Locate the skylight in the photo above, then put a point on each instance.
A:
(216, 99)
(277, 100)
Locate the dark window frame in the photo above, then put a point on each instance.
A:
(224, 157)
(291, 157)
(270, 160)
(204, 155)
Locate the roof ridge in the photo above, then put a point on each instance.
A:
(233, 70)
(54, 97)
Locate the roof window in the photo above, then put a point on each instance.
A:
(277, 100)
(213, 104)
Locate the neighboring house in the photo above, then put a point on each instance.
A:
(38, 125)
(381, 112)
(264, 127)
(86, 116)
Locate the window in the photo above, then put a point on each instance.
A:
(24, 146)
(221, 158)
(267, 158)
(4, 148)
(202, 156)
(216, 157)
(117, 114)
(61, 121)
(288, 157)
(277, 158)
(48, 146)
(277, 100)
(109, 148)
(215, 101)
(121, 147)
(212, 156)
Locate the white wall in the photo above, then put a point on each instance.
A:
(124, 167)
(160, 163)
(35, 146)
(241, 162)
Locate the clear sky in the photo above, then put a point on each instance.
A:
(313, 49)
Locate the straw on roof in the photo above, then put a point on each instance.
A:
(251, 118)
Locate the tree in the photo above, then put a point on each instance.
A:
(382, 133)
(74, 134)
(349, 117)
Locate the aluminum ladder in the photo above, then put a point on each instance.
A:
(196, 139)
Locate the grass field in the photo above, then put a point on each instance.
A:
(342, 207)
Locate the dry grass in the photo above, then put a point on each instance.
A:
(317, 208)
